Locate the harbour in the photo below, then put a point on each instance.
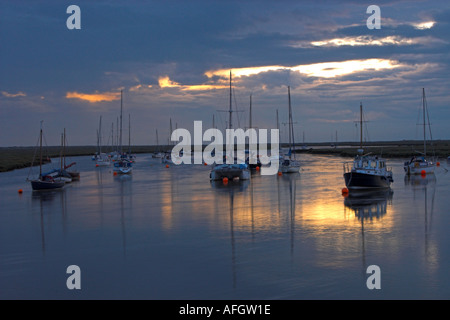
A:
(171, 233)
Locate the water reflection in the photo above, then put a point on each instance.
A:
(369, 204)
(48, 202)
(230, 190)
(126, 204)
(424, 187)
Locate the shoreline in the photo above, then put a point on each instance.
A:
(22, 157)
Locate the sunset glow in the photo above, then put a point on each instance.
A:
(322, 70)
(94, 97)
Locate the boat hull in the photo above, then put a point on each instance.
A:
(412, 169)
(290, 166)
(46, 185)
(290, 169)
(357, 180)
(230, 173)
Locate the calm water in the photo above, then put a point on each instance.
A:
(169, 233)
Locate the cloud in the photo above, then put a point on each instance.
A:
(424, 25)
(94, 97)
(365, 40)
(321, 70)
(14, 95)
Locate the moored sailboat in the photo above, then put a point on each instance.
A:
(44, 181)
(238, 168)
(420, 164)
(289, 163)
(367, 171)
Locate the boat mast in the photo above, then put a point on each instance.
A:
(64, 149)
(100, 136)
(360, 125)
(121, 106)
(250, 124)
(231, 111)
(291, 127)
(40, 151)
(424, 131)
(129, 134)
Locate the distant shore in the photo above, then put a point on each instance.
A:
(22, 157)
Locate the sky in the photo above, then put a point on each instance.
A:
(172, 61)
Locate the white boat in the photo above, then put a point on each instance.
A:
(289, 163)
(367, 171)
(123, 166)
(238, 169)
(157, 154)
(420, 164)
(103, 160)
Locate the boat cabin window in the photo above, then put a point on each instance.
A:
(373, 164)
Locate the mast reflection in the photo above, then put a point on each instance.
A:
(230, 189)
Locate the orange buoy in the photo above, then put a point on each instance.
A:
(167, 165)
(257, 168)
(438, 163)
(225, 180)
(344, 191)
(205, 163)
(115, 173)
(20, 191)
(280, 173)
(423, 172)
(96, 165)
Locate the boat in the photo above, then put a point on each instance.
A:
(101, 158)
(230, 170)
(367, 171)
(74, 174)
(157, 154)
(123, 165)
(249, 156)
(289, 164)
(420, 164)
(44, 181)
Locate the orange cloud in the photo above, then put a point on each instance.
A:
(94, 97)
(165, 82)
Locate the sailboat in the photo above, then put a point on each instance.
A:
(367, 171)
(420, 164)
(44, 181)
(123, 165)
(230, 170)
(157, 153)
(252, 166)
(289, 164)
(61, 174)
(75, 175)
(102, 159)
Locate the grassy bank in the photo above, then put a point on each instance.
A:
(394, 149)
(21, 157)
